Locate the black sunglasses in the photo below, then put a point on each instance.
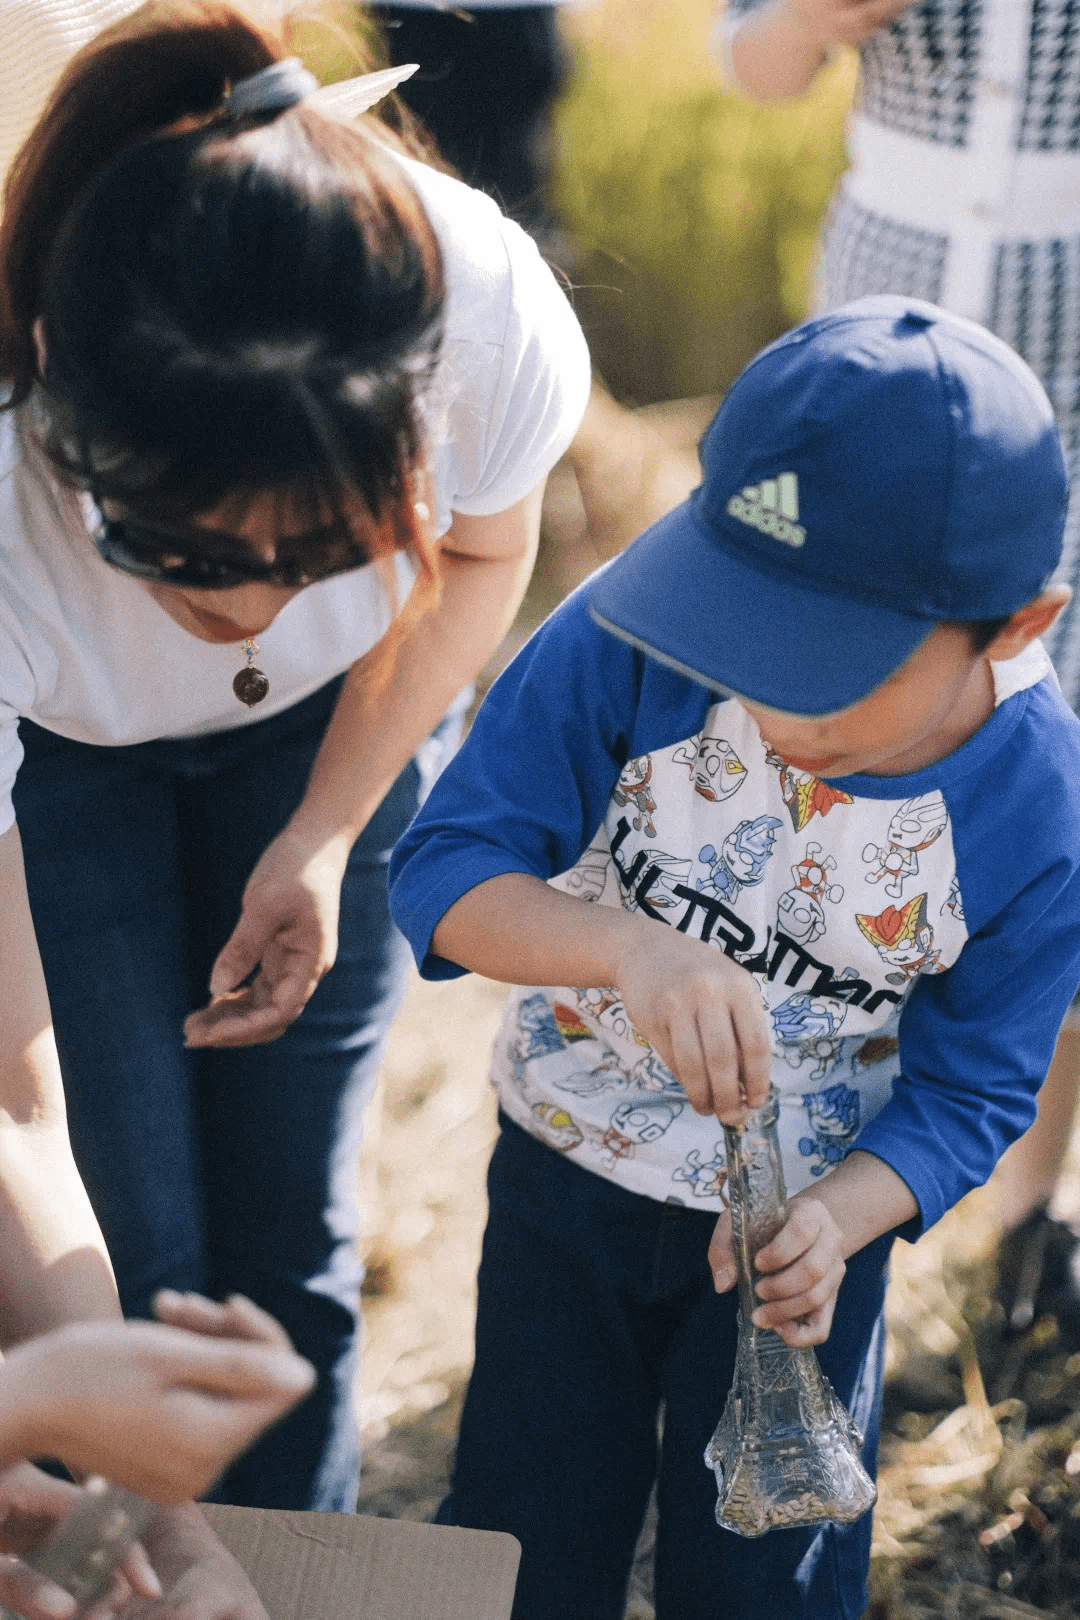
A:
(170, 558)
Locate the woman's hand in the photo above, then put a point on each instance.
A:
(286, 937)
(160, 1408)
(202, 1579)
(800, 1271)
(826, 23)
(703, 1014)
(30, 1504)
(774, 53)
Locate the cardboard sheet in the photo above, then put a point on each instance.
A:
(342, 1566)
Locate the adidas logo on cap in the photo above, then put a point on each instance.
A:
(771, 506)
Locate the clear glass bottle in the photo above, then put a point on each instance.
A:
(785, 1451)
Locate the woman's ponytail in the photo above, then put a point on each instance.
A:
(168, 61)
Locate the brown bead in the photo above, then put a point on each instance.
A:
(250, 686)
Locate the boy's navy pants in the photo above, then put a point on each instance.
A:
(596, 1309)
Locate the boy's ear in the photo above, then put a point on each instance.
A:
(1032, 620)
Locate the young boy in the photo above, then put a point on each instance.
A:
(801, 748)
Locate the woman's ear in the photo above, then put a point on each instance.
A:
(38, 330)
(1032, 620)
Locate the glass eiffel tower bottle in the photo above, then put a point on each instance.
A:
(785, 1452)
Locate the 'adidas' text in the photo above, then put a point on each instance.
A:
(771, 506)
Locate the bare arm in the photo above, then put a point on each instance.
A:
(485, 566)
(775, 52)
(54, 1267)
(289, 919)
(701, 1011)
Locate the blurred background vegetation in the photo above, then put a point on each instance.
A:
(693, 213)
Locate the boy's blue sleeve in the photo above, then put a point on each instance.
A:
(531, 783)
(977, 1040)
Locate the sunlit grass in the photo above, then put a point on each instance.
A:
(697, 211)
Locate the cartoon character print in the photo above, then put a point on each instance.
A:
(539, 1030)
(834, 1123)
(903, 939)
(610, 1144)
(804, 795)
(916, 824)
(954, 901)
(605, 1006)
(807, 1028)
(632, 788)
(706, 1178)
(586, 880)
(670, 870)
(799, 911)
(556, 1127)
(806, 1017)
(742, 859)
(569, 1024)
(645, 1119)
(651, 1073)
(608, 1075)
(715, 768)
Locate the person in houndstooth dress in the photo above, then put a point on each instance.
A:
(964, 189)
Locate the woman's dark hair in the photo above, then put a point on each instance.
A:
(226, 307)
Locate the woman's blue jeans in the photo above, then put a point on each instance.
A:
(230, 1171)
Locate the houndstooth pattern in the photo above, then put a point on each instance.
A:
(1051, 116)
(863, 252)
(1063, 639)
(920, 73)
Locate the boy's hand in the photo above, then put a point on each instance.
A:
(824, 23)
(703, 1014)
(801, 1271)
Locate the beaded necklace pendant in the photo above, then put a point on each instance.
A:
(250, 684)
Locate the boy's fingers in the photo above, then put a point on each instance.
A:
(807, 1330)
(722, 1256)
(721, 1048)
(801, 1228)
(754, 1054)
(800, 1301)
(819, 1261)
(689, 1064)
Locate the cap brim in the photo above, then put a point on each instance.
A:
(685, 597)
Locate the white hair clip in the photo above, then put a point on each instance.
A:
(283, 84)
(351, 97)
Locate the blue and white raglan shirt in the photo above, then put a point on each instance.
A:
(916, 938)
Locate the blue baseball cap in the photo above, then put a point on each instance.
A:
(877, 471)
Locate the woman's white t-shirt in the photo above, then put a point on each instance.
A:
(85, 651)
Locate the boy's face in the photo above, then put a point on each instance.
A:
(925, 710)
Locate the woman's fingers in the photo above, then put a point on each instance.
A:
(30, 1594)
(140, 1574)
(236, 1318)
